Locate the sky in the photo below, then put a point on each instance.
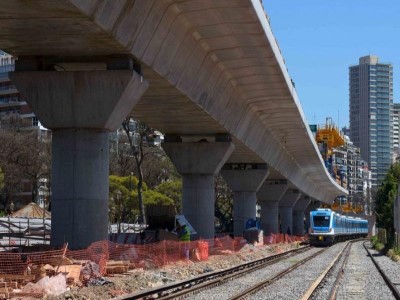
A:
(320, 39)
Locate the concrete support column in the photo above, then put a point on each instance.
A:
(298, 215)
(199, 162)
(286, 204)
(79, 186)
(313, 205)
(268, 197)
(244, 180)
(80, 107)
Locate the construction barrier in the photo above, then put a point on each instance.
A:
(35, 272)
(283, 238)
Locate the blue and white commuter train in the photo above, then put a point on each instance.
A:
(328, 227)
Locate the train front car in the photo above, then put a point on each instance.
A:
(321, 230)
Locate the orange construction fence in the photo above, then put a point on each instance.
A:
(149, 255)
(108, 258)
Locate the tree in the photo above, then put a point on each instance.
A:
(24, 156)
(223, 204)
(139, 137)
(384, 201)
(154, 197)
(120, 200)
(173, 190)
(158, 168)
(123, 198)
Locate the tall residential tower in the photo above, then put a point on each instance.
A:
(371, 119)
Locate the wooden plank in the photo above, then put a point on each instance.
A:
(10, 277)
(74, 271)
(38, 295)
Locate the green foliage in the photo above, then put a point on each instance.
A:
(124, 202)
(376, 244)
(223, 205)
(154, 197)
(172, 190)
(384, 201)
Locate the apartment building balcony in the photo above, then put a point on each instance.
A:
(11, 104)
(8, 91)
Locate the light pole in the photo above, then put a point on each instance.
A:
(118, 196)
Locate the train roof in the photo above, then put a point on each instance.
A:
(326, 211)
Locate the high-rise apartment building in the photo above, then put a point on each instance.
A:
(14, 112)
(371, 118)
(396, 131)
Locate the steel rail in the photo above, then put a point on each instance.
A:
(332, 294)
(392, 287)
(318, 282)
(210, 279)
(255, 288)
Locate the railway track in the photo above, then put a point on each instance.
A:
(206, 281)
(233, 283)
(262, 284)
(355, 288)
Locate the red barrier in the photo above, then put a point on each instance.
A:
(108, 258)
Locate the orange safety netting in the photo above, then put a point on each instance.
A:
(283, 238)
(19, 270)
(144, 256)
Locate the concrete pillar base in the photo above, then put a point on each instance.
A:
(198, 203)
(268, 197)
(313, 205)
(198, 162)
(298, 215)
(286, 204)
(244, 182)
(298, 223)
(286, 219)
(80, 187)
(244, 208)
(270, 217)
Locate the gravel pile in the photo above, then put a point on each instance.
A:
(140, 280)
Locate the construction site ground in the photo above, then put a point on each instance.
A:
(142, 278)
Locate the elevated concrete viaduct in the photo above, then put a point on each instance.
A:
(199, 70)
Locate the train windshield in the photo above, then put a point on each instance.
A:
(321, 221)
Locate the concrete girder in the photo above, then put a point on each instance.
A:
(193, 45)
(220, 56)
(244, 183)
(201, 50)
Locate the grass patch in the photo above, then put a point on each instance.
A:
(376, 244)
(394, 254)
